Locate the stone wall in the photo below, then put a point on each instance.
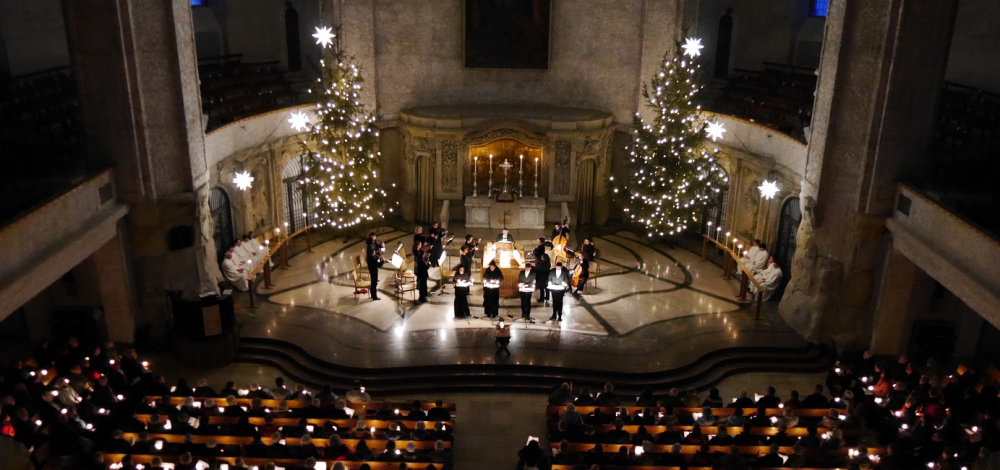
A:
(413, 53)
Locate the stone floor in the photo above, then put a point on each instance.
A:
(654, 308)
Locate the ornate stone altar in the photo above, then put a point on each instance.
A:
(551, 150)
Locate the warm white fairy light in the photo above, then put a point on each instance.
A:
(714, 130)
(768, 189)
(324, 36)
(243, 180)
(676, 175)
(341, 161)
(692, 47)
(299, 121)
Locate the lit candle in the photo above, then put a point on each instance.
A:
(709, 228)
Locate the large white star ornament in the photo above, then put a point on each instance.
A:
(715, 130)
(324, 36)
(243, 180)
(299, 121)
(768, 189)
(692, 47)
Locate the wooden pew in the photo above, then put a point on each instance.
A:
(293, 404)
(610, 449)
(339, 423)
(225, 440)
(555, 410)
(260, 462)
(797, 431)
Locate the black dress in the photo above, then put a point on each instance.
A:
(491, 297)
(462, 296)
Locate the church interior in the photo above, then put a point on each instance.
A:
(499, 234)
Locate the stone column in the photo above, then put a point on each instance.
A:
(115, 288)
(137, 76)
(905, 291)
(879, 80)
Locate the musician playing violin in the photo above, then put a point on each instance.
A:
(373, 255)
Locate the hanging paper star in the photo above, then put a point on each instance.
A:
(299, 121)
(243, 180)
(768, 189)
(715, 130)
(692, 47)
(324, 36)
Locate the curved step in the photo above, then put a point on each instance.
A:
(700, 374)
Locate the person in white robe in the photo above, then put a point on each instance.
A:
(244, 253)
(747, 259)
(235, 273)
(759, 262)
(769, 279)
(262, 251)
(253, 249)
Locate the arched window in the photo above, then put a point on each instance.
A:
(295, 197)
(784, 246)
(820, 7)
(222, 217)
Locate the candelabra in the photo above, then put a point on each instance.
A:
(536, 177)
(520, 177)
(475, 173)
(490, 192)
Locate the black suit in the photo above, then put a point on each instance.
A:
(509, 238)
(542, 266)
(526, 277)
(422, 265)
(558, 277)
(491, 297)
(466, 260)
(373, 251)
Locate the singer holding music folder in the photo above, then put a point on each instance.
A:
(558, 284)
(526, 287)
(463, 281)
(373, 255)
(491, 290)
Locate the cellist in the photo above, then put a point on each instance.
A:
(581, 273)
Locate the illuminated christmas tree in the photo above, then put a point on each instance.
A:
(341, 171)
(674, 171)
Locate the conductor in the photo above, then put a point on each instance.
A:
(505, 237)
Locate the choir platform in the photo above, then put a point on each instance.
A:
(649, 312)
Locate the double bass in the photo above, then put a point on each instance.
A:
(561, 240)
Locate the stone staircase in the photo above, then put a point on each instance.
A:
(701, 374)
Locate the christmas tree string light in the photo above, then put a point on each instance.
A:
(341, 170)
(675, 176)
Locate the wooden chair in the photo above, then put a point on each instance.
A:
(362, 280)
(406, 279)
(595, 267)
(447, 273)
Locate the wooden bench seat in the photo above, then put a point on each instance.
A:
(260, 462)
(797, 431)
(692, 449)
(340, 423)
(555, 410)
(290, 441)
(273, 403)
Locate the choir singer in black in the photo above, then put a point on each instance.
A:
(525, 287)
(491, 290)
(463, 281)
(558, 284)
(373, 255)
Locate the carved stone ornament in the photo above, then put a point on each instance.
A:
(449, 166)
(563, 155)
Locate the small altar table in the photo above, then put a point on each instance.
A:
(525, 213)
